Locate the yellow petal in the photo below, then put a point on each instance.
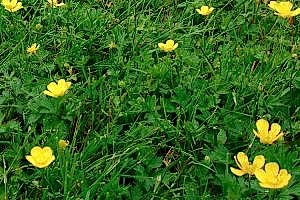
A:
(262, 126)
(258, 162)
(60, 4)
(199, 11)
(261, 175)
(237, 171)
(61, 82)
(204, 8)
(175, 46)
(161, 45)
(14, 2)
(63, 144)
(267, 185)
(36, 151)
(272, 169)
(277, 137)
(242, 159)
(68, 84)
(46, 92)
(52, 87)
(46, 163)
(257, 135)
(284, 176)
(170, 43)
(4, 2)
(286, 5)
(47, 150)
(273, 5)
(296, 12)
(275, 130)
(31, 160)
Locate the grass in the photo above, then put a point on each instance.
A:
(142, 123)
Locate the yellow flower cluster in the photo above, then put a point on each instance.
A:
(42, 157)
(283, 9)
(15, 5)
(270, 176)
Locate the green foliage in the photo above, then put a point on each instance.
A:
(142, 123)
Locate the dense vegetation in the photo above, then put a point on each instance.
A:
(143, 123)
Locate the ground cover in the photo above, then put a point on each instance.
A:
(134, 117)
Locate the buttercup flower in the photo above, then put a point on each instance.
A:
(284, 9)
(205, 10)
(169, 46)
(12, 5)
(33, 49)
(41, 157)
(271, 177)
(54, 3)
(245, 166)
(57, 89)
(265, 135)
(62, 144)
(112, 45)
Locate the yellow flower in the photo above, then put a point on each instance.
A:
(245, 166)
(112, 45)
(54, 3)
(271, 177)
(12, 5)
(57, 89)
(205, 10)
(265, 135)
(40, 157)
(284, 9)
(169, 46)
(32, 50)
(62, 144)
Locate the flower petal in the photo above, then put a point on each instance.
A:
(237, 171)
(170, 43)
(273, 5)
(175, 46)
(262, 126)
(31, 160)
(261, 175)
(267, 185)
(242, 159)
(286, 5)
(35, 151)
(61, 82)
(47, 150)
(272, 169)
(277, 137)
(46, 92)
(14, 2)
(161, 45)
(52, 87)
(258, 162)
(199, 11)
(275, 130)
(284, 177)
(296, 12)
